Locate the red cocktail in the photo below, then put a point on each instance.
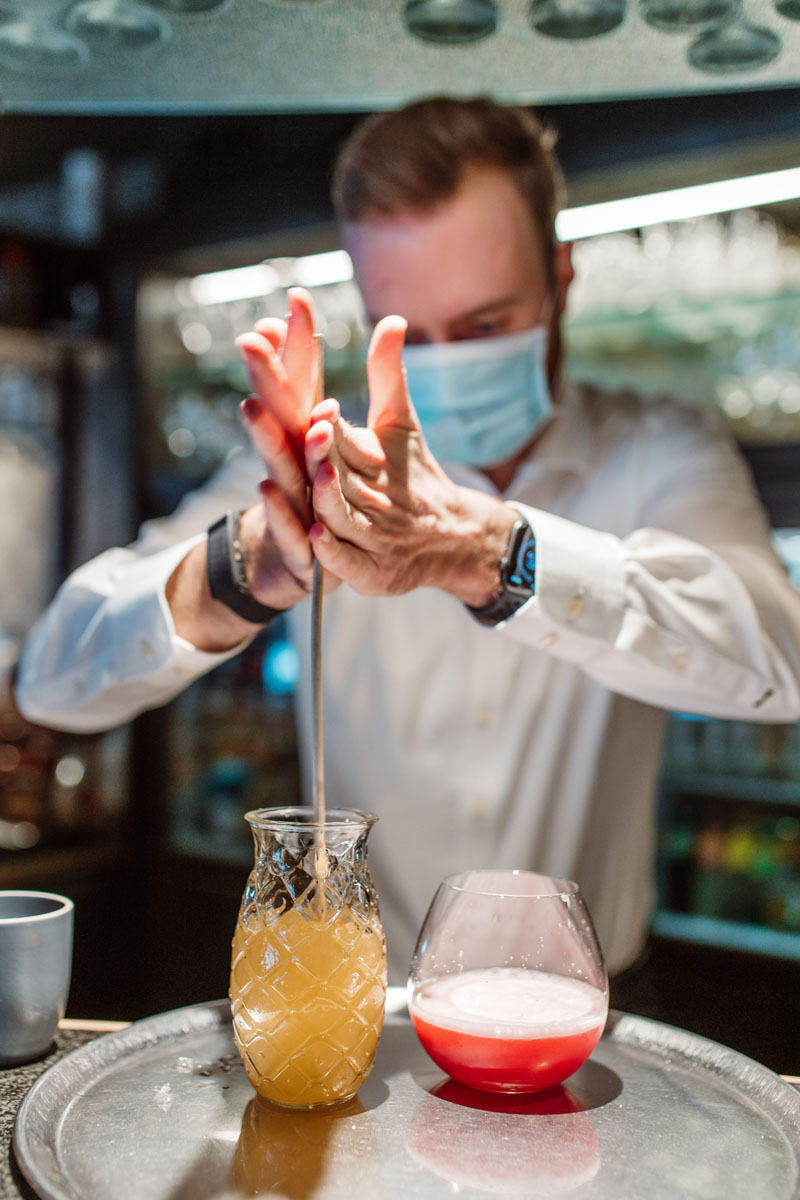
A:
(508, 991)
(508, 1029)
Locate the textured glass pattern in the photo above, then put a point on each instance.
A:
(308, 974)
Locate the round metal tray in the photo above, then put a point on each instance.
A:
(163, 1111)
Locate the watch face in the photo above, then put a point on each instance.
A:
(523, 575)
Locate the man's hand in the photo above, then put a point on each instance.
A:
(282, 361)
(278, 560)
(388, 517)
(278, 568)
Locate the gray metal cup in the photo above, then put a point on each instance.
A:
(35, 968)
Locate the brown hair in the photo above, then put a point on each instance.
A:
(412, 158)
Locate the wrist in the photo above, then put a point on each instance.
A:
(517, 570)
(483, 530)
(199, 619)
(227, 574)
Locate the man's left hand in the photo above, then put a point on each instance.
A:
(388, 518)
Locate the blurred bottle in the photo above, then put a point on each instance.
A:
(708, 883)
(17, 285)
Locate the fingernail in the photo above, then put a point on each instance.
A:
(249, 408)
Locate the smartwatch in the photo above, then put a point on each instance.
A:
(517, 576)
(226, 576)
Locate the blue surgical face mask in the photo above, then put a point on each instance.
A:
(480, 401)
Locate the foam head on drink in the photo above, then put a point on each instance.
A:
(508, 1029)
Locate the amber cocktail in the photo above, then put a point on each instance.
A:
(308, 973)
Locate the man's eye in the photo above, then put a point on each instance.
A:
(481, 329)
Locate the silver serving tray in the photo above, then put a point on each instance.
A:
(163, 1111)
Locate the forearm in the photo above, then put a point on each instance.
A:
(199, 619)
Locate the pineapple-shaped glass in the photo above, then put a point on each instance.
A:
(308, 970)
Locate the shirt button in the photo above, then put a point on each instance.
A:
(548, 641)
(146, 649)
(681, 660)
(78, 686)
(576, 607)
(483, 716)
(478, 808)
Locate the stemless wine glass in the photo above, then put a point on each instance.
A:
(508, 991)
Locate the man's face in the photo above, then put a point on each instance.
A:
(472, 267)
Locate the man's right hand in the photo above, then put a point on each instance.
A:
(283, 362)
(278, 559)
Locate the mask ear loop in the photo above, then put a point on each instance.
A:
(552, 330)
(549, 307)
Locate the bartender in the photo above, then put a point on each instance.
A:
(524, 574)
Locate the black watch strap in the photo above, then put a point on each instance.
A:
(225, 570)
(517, 576)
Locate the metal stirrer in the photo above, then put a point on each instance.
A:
(318, 754)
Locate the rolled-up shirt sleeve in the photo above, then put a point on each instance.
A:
(692, 611)
(106, 648)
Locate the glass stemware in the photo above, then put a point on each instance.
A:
(116, 24)
(188, 7)
(677, 15)
(573, 19)
(735, 46)
(31, 41)
(453, 22)
(507, 989)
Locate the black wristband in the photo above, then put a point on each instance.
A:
(517, 570)
(225, 570)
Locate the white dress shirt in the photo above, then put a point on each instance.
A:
(534, 744)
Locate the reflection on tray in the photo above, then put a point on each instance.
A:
(289, 1152)
(543, 1144)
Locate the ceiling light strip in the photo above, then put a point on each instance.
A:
(634, 212)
